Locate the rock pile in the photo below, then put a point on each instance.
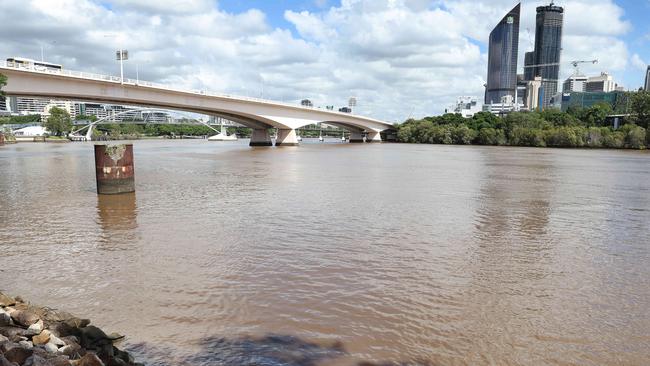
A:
(39, 336)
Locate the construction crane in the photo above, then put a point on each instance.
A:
(576, 63)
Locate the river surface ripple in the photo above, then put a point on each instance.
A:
(332, 254)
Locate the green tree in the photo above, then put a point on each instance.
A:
(634, 136)
(491, 136)
(58, 122)
(597, 114)
(640, 108)
(83, 117)
(559, 118)
(3, 82)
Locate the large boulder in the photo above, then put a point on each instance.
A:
(24, 318)
(36, 328)
(42, 338)
(36, 360)
(5, 318)
(6, 300)
(70, 350)
(12, 332)
(5, 362)
(90, 359)
(18, 355)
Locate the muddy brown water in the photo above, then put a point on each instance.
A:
(332, 254)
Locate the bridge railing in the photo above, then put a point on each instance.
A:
(134, 82)
(149, 84)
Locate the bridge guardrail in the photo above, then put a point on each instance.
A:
(133, 82)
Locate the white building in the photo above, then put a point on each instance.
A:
(575, 83)
(507, 105)
(30, 131)
(467, 106)
(26, 106)
(603, 83)
(532, 93)
(647, 80)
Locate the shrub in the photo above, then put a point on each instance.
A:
(491, 136)
(522, 136)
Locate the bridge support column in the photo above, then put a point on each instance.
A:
(373, 137)
(114, 169)
(260, 137)
(356, 137)
(286, 138)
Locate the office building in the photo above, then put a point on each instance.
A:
(616, 99)
(647, 80)
(548, 46)
(533, 88)
(505, 106)
(41, 106)
(502, 58)
(602, 83)
(467, 106)
(529, 70)
(575, 83)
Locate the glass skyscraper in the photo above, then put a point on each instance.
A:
(529, 60)
(502, 58)
(548, 46)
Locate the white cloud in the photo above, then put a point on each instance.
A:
(398, 57)
(638, 63)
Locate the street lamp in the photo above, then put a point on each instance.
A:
(122, 55)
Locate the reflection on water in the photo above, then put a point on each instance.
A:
(340, 254)
(270, 350)
(117, 217)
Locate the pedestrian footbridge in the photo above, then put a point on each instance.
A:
(258, 114)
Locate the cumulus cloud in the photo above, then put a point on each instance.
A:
(638, 62)
(400, 58)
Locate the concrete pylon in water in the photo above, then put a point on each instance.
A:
(286, 138)
(261, 137)
(114, 169)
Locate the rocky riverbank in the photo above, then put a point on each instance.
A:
(39, 336)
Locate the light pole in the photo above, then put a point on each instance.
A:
(122, 55)
(43, 50)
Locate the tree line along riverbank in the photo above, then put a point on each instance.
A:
(577, 127)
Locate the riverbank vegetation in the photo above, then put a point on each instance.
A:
(577, 127)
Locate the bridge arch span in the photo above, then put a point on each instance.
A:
(254, 113)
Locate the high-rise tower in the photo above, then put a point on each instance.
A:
(502, 58)
(647, 80)
(548, 46)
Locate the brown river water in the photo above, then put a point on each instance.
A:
(334, 254)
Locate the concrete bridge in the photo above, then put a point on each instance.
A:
(260, 115)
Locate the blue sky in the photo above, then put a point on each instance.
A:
(637, 12)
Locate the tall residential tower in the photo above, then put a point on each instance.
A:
(548, 46)
(502, 58)
(647, 80)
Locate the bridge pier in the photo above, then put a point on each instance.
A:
(373, 136)
(286, 138)
(261, 137)
(114, 170)
(356, 137)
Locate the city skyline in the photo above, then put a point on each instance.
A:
(399, 58)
